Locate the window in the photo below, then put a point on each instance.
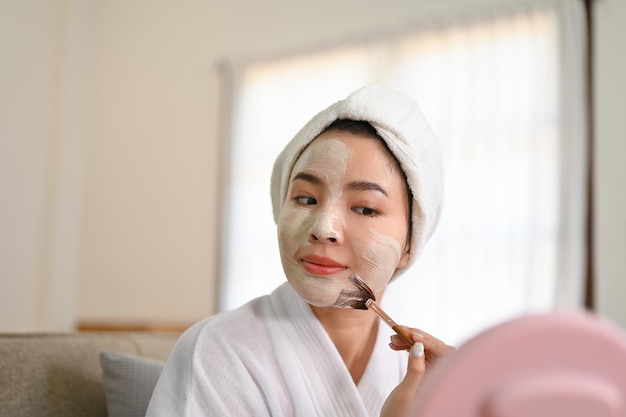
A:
(504, 93)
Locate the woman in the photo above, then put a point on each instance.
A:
(356, 191)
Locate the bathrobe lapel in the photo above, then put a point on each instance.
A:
(317, 378)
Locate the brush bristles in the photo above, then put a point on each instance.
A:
(363, 287)
(355, 298)
(351, 299)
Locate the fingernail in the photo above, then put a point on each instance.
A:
(417, 351)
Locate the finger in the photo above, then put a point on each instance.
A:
(434, 347)
(415, 369)
(399, 343)
(416, 360)
(401, 398)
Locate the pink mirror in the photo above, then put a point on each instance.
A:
(546, 365)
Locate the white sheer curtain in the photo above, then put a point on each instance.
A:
(504, 92)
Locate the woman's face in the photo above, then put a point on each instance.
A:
(346, 212)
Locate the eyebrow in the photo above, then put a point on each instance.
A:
(353, 186)
(307, 177)
(366, 186)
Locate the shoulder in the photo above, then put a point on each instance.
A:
(225, 336)
(215, 363)
(245, 326)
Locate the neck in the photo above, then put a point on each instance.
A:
(354, 334)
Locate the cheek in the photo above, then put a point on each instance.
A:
(381, 255)
(292, 229)
(293, 232)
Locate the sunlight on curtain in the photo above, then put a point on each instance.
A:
(492, 88)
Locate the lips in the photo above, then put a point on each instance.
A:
(318, 265)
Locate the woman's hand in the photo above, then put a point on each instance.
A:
(424, 353)
(433, 347)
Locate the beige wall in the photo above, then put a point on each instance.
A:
(148, 234)
(109, 152)
(38, 160)
(24, 131)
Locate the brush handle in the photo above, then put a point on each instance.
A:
(400, 331)
(373, 305)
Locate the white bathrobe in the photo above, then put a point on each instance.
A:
(271, 357)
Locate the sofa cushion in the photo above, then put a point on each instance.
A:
(128, 382)
(59, 375)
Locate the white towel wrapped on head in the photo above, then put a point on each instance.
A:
(401, 124)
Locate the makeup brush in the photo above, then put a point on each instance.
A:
(368, 300)
(363, 298)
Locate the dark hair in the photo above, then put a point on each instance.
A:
(364, 128)
(356, 127)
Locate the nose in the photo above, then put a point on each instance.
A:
(326, 227)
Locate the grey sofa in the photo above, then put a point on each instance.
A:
(61, 374)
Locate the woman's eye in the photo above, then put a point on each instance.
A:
(305, 201)
(366, 211)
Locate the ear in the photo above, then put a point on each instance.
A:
(404, 260)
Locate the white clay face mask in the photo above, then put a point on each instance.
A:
(361, 250)
(381, 256)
